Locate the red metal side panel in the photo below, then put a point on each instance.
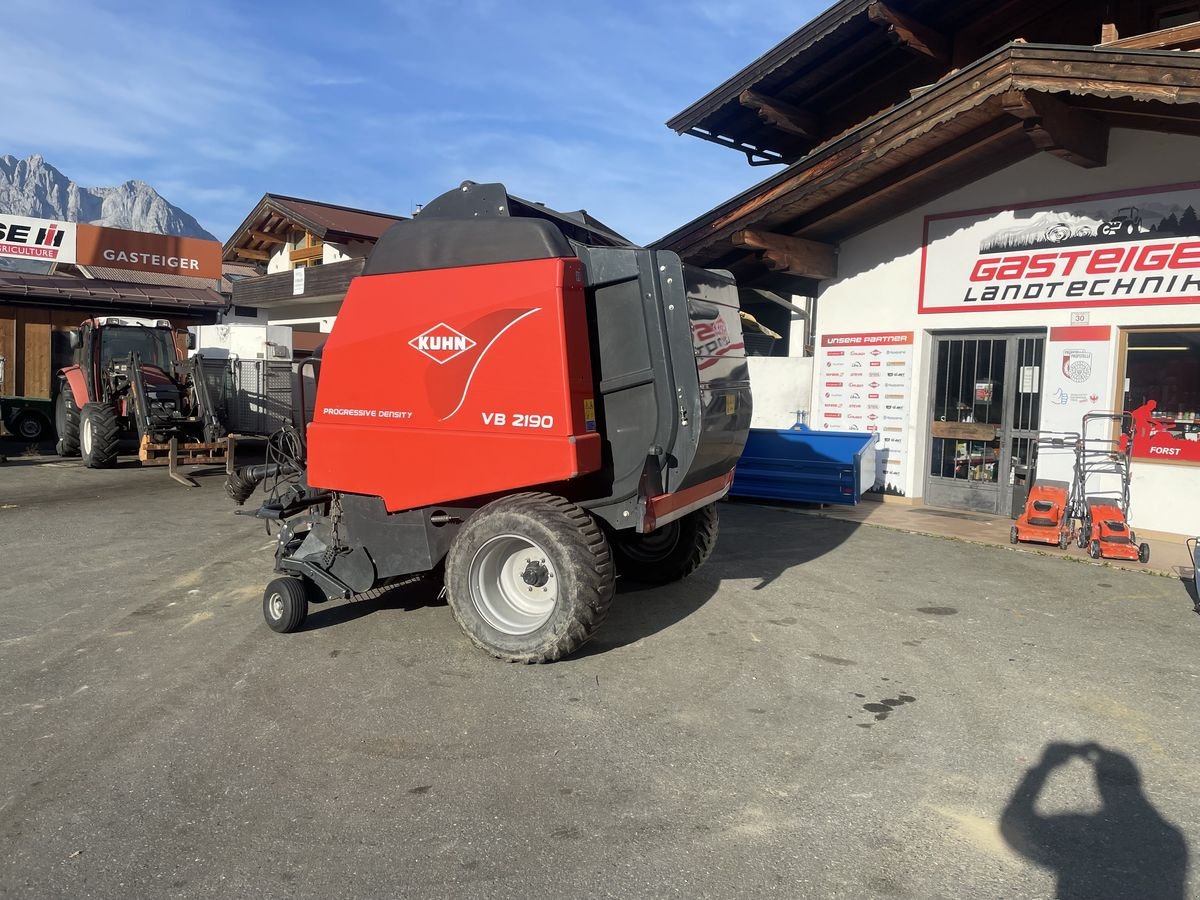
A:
(452, 383)
(75, 379)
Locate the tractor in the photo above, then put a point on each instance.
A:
(520, 404)
(129, 381)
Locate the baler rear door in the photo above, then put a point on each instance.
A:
(713, 381)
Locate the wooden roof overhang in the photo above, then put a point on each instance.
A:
(862, 56)
(272, 222)
(1019, 100)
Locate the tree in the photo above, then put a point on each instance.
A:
(1188, 223)
(1170, 225)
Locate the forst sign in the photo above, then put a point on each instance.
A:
(43, 240)
(1119, 249)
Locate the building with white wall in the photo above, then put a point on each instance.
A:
(305, 253)
(995, 208)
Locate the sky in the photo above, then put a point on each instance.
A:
(384, 105)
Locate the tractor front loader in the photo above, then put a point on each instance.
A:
(130, 383)
(519, 402)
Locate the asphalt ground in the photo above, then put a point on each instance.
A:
(824, 710)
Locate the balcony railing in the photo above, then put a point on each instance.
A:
(320, 282)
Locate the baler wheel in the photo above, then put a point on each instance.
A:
(530, 578)
(98, 435)
(66, 421)
(285, 604)
(670, 553)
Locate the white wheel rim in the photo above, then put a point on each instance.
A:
(275, 606)
(514, 585)
(85, 436)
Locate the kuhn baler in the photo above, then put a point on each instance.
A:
(520, 396)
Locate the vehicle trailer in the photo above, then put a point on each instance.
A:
(28, 418)
(129, 381)
(508, 402)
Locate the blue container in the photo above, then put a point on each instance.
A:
(807, 466)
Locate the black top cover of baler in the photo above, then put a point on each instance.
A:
(481, 224)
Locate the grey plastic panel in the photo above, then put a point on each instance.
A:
(674, 411)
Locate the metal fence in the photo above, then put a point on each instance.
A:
(251, 396)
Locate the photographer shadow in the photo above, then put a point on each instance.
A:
(1125, 850)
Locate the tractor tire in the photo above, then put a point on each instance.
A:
(66, 422)
(1143, 553)
(530, 578)
(670, 553)
(285, 604)
(29, 426)
(98, 435)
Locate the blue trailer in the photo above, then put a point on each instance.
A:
(803, 465)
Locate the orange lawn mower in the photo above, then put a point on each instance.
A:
(1104, 459)
(1050, 506)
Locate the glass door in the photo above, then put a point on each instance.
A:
(984, 419)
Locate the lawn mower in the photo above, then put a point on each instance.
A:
(1103, 465)
(521, 403)
(1050, 506)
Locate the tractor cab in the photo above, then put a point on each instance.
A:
(154, 345)
(106, 345)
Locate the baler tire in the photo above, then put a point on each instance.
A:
(656, 559)
(285, 604)
(577, 557)
(66, 421)
(99, 436)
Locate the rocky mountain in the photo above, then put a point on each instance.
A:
(32, 187)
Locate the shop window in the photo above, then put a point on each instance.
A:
(1161, 372)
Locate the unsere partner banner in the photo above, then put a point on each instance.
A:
(1129, 248)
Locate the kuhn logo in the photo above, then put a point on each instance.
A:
(441, 343)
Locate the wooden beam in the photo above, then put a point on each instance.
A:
(306, 253)
(781, 115)
(1058, 129)
(246, 253)
(1108, 33)
(796, 256)
(909, 33)
(267, 238)
(1181, 37)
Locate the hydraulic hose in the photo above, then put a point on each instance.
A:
(241, 482)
